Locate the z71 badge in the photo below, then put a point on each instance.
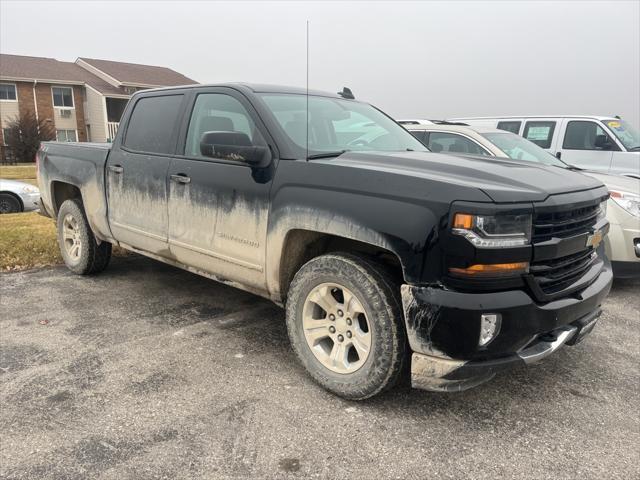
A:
(594, 239)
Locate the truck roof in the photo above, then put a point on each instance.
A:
(254, 88)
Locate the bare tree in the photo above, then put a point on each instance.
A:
(24, 134)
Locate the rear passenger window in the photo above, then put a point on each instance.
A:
(581, 135)
(450, 142)
(540, 133)
(513, 127)
(152, 124)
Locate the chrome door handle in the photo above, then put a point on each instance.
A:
(116, 168)
(180, 178)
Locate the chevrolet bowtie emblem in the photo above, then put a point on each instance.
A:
(594, 239)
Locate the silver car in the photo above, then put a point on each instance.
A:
(16, 196)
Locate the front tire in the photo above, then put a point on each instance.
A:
(80, 250)
(9, 203)
(346, 325)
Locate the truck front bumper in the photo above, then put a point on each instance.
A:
(443, 328)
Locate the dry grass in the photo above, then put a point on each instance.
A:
(25, 172)
(29, 240)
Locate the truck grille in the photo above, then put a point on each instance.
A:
(553, 276)
(565, 223)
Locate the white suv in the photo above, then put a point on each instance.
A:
(598, 143)
(623, 241)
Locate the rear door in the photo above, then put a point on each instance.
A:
(585, 144)
(218, 208)
(137, 172)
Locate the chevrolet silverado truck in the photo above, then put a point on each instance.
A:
(387, 258)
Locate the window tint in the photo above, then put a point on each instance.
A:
(217, 112)
(62, 97)
(513, 127)
(7, 91)
(420, 135)
(451, 142)
(540, 133)
(582, 135)
(152, 123)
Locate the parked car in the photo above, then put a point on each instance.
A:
(380, 250)
(598, 143)
(623, 207)
(16, 196)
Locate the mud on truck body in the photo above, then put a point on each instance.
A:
(387, 257)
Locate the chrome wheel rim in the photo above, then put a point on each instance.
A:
(71, 237)
(336, 328)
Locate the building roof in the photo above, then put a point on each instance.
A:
(138, 75)
(19, 67)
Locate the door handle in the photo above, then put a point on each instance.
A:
(558, 155)
(180, 178)
(116, 168)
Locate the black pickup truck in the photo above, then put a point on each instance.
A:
(386, 256)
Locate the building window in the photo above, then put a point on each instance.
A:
(66, 136)
(62, 97)
(5, 135)
(8, 92)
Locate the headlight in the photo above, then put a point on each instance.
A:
(30, 189)
(495, 231)
(603, 210)
(628, 201)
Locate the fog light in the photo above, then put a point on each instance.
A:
(489, 327)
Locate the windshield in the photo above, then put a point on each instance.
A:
(519, 148)
(628, 135)
(337, 125)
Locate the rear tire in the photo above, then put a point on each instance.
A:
(80, 250)
(346, 325)
(9, 203)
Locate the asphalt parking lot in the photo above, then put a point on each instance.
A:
(147, 371)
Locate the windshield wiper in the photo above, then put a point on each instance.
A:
(326, 155)
(633, 149)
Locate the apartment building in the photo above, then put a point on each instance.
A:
(84, 99)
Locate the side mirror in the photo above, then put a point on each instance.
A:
(603, 143)
(233, 146)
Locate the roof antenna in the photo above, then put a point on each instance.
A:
(307, 92)
(346, 93)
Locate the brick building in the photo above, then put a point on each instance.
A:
(83, 99)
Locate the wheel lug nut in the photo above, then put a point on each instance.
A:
(340, 313)
(340, 338)
(332, 329)
(349, 321)
(332, 317)
(349, 334)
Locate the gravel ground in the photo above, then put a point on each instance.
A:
(147, 371)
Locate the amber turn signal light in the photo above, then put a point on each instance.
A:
(492, 269)
(463, 220)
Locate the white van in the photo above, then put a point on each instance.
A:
(604, 144)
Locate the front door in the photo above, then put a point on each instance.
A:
(585, 144)
(136, 174)
(218, 207)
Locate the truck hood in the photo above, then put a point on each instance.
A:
(504, 181)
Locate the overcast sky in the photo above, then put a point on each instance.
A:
(413, 59)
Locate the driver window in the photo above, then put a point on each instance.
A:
(217, 112)
(585, 135)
